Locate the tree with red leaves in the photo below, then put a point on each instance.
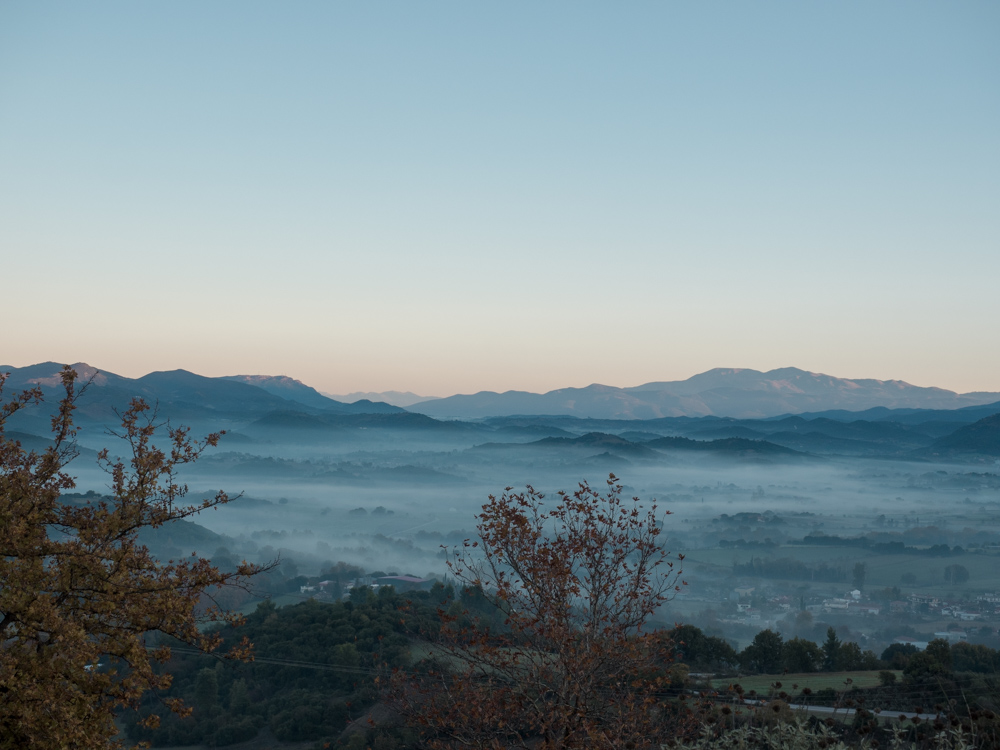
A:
(574, 581)
(79, 593)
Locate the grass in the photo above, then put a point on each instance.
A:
(278, 601)
(813, 680)
(423, 650)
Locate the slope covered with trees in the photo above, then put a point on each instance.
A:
(79, 593)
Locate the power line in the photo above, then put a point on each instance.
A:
(717, 697)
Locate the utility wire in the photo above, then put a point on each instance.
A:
(716, 696)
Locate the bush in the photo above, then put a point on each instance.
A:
(230, 734)
(793, 735)
(886, 678)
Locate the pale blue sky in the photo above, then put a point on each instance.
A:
(449, 197)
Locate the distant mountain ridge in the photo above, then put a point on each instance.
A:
(396, 398)
(178, 395)
(269, 410)
(982, 438)
(287, 388)
(724, 392)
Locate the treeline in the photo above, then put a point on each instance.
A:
(317, 663)
(941, 657)
(315, 669)
(957, 681)
(770, 653)
(881, 547)
(789, 568)
(767, 544)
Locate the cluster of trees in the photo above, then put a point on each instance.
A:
(747, 530)
(873, 544)
(955, 683)
(574, 580)
(941, 657)
(315, 669)
(956, 575)
(317, 665)
(769, 653)
(701, 652)
(789, 569)
(79, 592)
(767, 544)
(959, 682)
(747, 518)
(545, 640)
(545, 644)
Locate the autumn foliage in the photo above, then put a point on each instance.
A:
(567, 663)
(78, 594)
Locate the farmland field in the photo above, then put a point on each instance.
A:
(813, 680)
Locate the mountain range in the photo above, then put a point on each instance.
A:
(626, 423)
(738, 393)
(178, 395)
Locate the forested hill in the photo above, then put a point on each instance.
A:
(318, 668)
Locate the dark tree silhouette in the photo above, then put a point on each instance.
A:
(575, 581)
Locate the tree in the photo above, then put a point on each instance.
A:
(763, 655)
(897, 655)
(968, 657)
(888, 594)
(831, 651)
(801, 655)
(859, 575)
(574, 583)
(699, 651)
(851, 658)
(239, 697)
(804, 622)
(79, 592)
(933, 661)
(206, 688)
(956, 575)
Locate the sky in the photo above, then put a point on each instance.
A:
(450, 197)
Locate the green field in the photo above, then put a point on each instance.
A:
(277, 601)
(813, 680)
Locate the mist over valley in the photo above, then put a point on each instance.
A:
(403, 413)
(383, 488)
